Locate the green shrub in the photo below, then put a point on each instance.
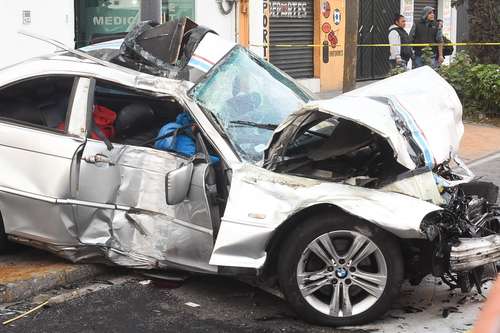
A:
(484, 26)
(477, 85)
(427, 56)
(397, 70)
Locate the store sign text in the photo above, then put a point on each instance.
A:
(339, 53)
(113, 20)
(290, 9)
(266, 36)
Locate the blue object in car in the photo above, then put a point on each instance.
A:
(183, 142)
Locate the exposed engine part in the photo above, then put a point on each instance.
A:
(467, 221)
(339, 150)
(471, 253)
(467, 280)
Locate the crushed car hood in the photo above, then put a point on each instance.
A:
(417, 112)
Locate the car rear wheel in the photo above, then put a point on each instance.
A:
(340, 271)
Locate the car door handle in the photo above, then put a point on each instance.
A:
(98, 159)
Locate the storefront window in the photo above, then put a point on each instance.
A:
(103, 19)
(178, 8)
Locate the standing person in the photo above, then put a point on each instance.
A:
(439, 26)
(400, 55)
(425, 31)
(448, 49)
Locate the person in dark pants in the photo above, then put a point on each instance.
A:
(426, 31)
(400, 55)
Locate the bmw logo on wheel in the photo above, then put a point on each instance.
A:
(337, 16)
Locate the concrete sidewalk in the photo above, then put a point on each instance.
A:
(29, 271)
(479, 141)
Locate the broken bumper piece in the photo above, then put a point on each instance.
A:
(474, 252)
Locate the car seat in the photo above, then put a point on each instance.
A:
(136, 123)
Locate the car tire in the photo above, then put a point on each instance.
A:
(297, 259)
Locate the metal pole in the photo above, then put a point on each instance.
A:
(351, 42)
(151, 10)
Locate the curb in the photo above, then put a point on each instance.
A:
(19, 290)
(482, 160)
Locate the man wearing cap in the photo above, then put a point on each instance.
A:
(425, 31)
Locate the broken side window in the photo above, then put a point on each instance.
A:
(136, 117)
(40, 102)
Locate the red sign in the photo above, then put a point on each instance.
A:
(333, 39)
(326, 27)
(326, 9)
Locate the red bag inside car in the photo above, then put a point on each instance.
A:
(103, 119)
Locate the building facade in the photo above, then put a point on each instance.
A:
(305, 38)
(322, 23)
(375, 18)
(79, 22)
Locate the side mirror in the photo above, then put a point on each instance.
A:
(177, 183)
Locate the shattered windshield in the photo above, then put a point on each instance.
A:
(249, 98)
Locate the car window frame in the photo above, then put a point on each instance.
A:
(140, 92)
(304, 93)
(41, 128)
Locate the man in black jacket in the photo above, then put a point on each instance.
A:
(400, 55)
(425, 31)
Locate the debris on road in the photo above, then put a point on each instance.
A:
(193, 305)
(166, 275)
(7, 322)
(448, 310)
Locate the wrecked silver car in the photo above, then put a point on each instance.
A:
(195, 154)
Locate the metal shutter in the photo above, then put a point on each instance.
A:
(419, 6)
(298, 62)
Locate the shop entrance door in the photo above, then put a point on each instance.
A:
(375, 18)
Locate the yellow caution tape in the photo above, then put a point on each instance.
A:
(383, 45)
(434, 44)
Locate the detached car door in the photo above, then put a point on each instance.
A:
(40, 138)
(122, 209)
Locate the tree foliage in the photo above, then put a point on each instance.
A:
(484, 26)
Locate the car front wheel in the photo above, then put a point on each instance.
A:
(340, 271)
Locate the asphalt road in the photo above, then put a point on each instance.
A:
(227, 305)
(488, 169)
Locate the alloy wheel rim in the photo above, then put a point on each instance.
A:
(342, 273)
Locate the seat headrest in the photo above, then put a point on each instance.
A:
(133, 119)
